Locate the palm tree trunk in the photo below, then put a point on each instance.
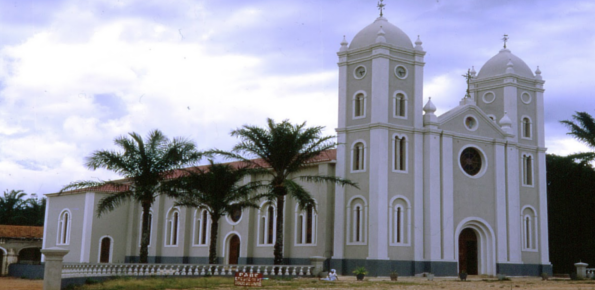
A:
(278, 250)
(213, 241)
(145, 234)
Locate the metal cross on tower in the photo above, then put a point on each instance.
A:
(505, 38)
(468, 78)
(381, 7)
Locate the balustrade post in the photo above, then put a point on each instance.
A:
(52, 273)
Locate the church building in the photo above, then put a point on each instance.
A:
(463, 191)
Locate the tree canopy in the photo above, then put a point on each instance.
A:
(16, 209)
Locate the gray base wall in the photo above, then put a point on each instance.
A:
(385, 267)
(524, 269)
(26, 271)
(205, 260)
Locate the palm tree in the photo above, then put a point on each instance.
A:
(11, 206)
(144, 164)
(584, 131)
(215, 187)
(285, 149)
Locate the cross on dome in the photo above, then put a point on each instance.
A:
(505, 39)
(381, 7)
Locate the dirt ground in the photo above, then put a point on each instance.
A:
(8, 283)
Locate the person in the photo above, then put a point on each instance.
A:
(332, 276)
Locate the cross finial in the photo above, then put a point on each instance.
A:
(468, 78)
(381, 7)
(505, 39)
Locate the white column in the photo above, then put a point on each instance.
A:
(378, 195)
(87, 234)
(46, 226)
(513, 201)
(379, 96)
(500, 202)
(52, 273)
(339, 228)
(543, 224)
(418, 93)
(342, 92)
(431, 188)
(510, 107)
(448, 239)
(418, 198)
(539, 126)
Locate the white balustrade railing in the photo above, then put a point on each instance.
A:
(590, 273)
(72, 270)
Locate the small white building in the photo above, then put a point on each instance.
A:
(462, 191)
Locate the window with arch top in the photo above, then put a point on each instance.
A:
(64, 226)
(359, 105)
(267, 224)
(172, 227)
(527, 165)
(358, 158)
(202, 222)
(399, 223)
(526, 128)
(400, 105)
(529, 228)
(149, 224)
(306, 221)
(400, 153)
(357, 221)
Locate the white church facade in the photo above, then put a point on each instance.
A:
(465, 190)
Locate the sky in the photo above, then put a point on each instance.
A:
(75, 74)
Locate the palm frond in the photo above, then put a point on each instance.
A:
(328, 179)
(112, 201)
(300, 194)
(582, 128)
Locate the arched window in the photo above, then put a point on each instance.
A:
(202, 221)
(172, 227)
(400, 105)
(399, 223)
(267, 216)
(64, 226)
(400, 153)
(305, 229)
(529, 227)
(526, 128)
(359, 105)
(140, 227)
(358, 157)
(357, 213)
(527, 169)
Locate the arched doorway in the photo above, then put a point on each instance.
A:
(30, 256)
(476, 246)
(105, 250)
(468, 252)
(2, 254)
(233, 250)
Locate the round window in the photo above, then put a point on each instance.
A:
(471, 161)
(359, 72)
(488, 97)
(471, 123)
(401, 72)
(526, 98)
(236, 214)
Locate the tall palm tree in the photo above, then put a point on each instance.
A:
(215, 187)
(583, 129)
(144, 164)
(11, 206)
(285, 149)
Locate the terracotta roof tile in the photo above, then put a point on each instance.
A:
(20, 232)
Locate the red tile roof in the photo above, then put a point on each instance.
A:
(21, 232)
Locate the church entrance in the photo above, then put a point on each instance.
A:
(234, 250)
(468, 252)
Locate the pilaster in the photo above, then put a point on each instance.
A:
(543, 223)
(418, 92)
(379, 96)
(432, 198)
(339, 224)
(513, 202)
(448, 247)
(87, 234)
(342, 92)
(510, 107)
(378, 195)
(418, 199)
(500, 202)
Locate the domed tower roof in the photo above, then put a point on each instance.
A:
(502, 61)
(393, 35)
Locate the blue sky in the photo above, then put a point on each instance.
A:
(76, 74)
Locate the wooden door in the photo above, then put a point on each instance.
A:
(105, 250)
(234, 250)
(468, 252)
